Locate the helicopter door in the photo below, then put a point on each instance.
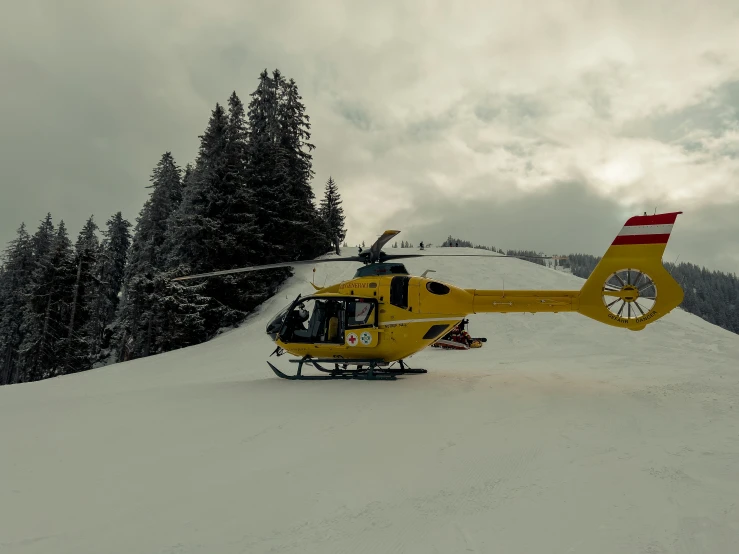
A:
(360, 328)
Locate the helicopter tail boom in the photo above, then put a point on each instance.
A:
(629, 288)
(505, 301)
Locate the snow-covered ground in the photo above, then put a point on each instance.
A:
(560, 435)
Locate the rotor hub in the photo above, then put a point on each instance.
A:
(629, 293)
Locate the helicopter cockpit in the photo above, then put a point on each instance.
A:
(323, 319)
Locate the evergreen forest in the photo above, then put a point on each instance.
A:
(72, 304)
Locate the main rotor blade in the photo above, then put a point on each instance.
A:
(380, 242)
(401, 256)
(266, 266)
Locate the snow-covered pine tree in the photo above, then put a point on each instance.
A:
(98, 305)
(115, 251)
(86, 296)
(43, 240)
(309, 239)
(280, 172)
(268, 176)
(35, 304)
(104, 300)
(49, 299)
(187, 175)
(135, 326)
(14, 278)
(215, 229)
(332, 214)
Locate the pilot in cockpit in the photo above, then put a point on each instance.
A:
(296, 322)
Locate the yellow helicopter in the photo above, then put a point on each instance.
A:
(383, 314)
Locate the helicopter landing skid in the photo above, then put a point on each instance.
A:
(366, 370)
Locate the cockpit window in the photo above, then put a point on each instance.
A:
(274, 326)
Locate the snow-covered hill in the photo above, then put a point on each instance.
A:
(559, 435)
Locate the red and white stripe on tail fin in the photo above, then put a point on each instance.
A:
(647, 229)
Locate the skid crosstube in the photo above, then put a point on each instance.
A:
(366, 370)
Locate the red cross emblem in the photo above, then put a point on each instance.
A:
(352, 339)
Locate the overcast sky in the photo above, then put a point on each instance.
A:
(537, 125)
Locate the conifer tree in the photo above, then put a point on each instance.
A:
(86, 297)
(35, 303)
(215, 228)
(268, 175)
(43, 240)
(280, 172)
(14, 278)
(136, 327)
(103, 301)
(115, 251)
(332, 214)
(310, 238)
(49, 299)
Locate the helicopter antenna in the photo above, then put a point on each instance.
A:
(675, 265)
(427, 271)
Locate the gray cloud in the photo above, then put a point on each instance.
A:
(710, 118)
(570, 218)
(355, 115)
(430, 118)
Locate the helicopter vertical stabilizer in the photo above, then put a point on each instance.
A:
(630, 286)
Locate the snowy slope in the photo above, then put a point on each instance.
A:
(559, 435)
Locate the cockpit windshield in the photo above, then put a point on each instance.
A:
(274, 326)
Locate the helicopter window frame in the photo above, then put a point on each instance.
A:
(372, 320)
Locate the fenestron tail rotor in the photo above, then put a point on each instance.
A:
(629, 293)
